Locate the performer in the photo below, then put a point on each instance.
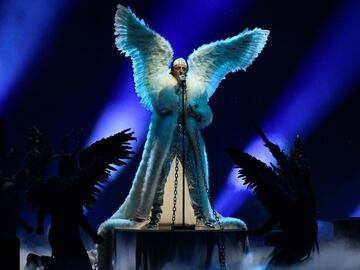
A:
(159, 90)
(195, 186)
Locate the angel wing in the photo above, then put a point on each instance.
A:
(263, 180)
(210, 63)
(287, 194)
(95, 163)
(298, 163)
(150, 53)
(280, 187)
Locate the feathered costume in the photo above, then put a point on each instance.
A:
(285, 191)
(151, 55)
(64, 196)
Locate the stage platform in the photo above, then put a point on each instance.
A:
(164, 248)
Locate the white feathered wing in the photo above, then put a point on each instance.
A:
(210, 63)
(150, 53)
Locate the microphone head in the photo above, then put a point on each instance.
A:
(182, 77)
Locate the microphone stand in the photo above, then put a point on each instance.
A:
(183, 226)
(183, 150)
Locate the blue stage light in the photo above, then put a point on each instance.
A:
(323, 81)
(123, 112)
(260, 267)
(356, 212)
(23, 28)
(235, 193)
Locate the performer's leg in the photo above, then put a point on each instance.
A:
(194, 181)
(201, 173)
(156, 210)
(197, 176)
(150, 187)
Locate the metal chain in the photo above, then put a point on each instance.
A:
(175, 190)
(221, 243)
(179, 130)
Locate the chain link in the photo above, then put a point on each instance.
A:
(175, 190)
(221, 242)
(180, 129)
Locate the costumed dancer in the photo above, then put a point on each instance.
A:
(158, 86)
(64, 196)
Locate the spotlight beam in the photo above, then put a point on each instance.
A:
(356, 212)
(24, 26)
(323, 81)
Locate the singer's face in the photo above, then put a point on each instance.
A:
(178, 70)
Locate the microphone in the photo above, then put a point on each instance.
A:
(182, 80)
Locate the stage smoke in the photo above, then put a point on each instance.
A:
(24, 252)
(333, 255)
(337, 255)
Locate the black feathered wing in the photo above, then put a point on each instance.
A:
(95, 164)
(299, 165)
(263, 180)
(285, 191)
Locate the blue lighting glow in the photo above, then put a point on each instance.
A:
(254, 260)
(189, 35)
(123, 112)
(234, 189)
(356, 212)
(323, 81)
(259, 267)
(23, 28)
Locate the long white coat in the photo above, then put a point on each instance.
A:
(161, 131)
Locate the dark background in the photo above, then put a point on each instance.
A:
(74, 75)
